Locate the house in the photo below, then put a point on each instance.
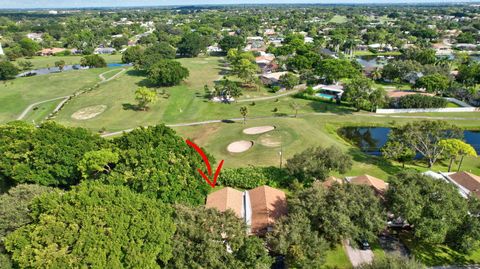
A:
(104, 51)
(260, 208)
(336, 91)
(35, 36)
(466, 47)
(1, 50)
(467, 183)
(331, 180)
(378, 185)
(272, 78)
(227, 198)
(51, 51)
(266, 62)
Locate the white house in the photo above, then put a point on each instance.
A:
(1, 50)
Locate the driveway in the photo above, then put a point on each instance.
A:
(358, 256)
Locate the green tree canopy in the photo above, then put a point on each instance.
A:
(7, 70)
(289, 80)
(145, 96)
(232, 42)
(341, 212)
(294, 238)
(317, 163)
(454, 148)
(192, 44)
(434, 207)
(94, 225)
(334, 69)
(206, 238)
(47, 155)
(435, 83)
(424, 137)
(93, 61)
(167, 73)
(133, 54)
(361, 92)
(157, 162)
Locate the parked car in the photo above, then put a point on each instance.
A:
(363, 244)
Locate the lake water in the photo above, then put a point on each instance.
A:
(46, 71)
(371, 62)
(372, 139)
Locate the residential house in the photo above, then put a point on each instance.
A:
(378, 185)
(331, 180)
(260, 208)
(1, 50)
(38, 37)
(51, 51)
(104, 51)
(272, 78)
(467, 183)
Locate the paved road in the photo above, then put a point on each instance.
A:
(358, 256)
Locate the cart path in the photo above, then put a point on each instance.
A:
(65, 98)
(293, 116)
(358, 256)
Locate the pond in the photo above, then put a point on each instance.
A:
(371, 139)
(372, 61)
(46, 71)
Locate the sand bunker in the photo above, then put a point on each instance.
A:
(239, 146)
(269, 140)
(258, 130)
(89, 112)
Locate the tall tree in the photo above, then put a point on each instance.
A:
(167, 73)
(425, 136)
(192, 44)
(454, 148)
(7, 70)
(94, 225)
(225, 245)
(361, 93)
(317, 163)
(244, 112)
(145, 96)
(289, 80)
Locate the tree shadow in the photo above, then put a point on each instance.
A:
(131, 107)
(136, 73)
(146, 83)
(384, 165)
(329, 107)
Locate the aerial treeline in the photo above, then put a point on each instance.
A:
(419, 101)
(134, 199)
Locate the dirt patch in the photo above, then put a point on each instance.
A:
(240, 146)
(258, 130)
(269, 140)
(89, 112)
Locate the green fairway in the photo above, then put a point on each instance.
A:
(338, 19)
(16, 95)
(49, 61)
(41, 111)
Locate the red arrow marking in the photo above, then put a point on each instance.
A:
(207, 163)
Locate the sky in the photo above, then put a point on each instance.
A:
(125, 3)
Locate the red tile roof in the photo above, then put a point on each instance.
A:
(226, 198)
(268, 205)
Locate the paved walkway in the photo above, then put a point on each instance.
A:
(65, 98)
(358, 256)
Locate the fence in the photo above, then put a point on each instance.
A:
(427, 110)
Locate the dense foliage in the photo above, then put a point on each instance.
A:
(157, 162)
(252, 177)
(167, 73)
(317, 164)
(419, 101)
(124, 228)
(7, 70)
(220, 241)
(93, 61)
(340, 212)
(438, 213)
(47, 155)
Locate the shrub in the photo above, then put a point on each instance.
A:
(419, 101)
(252, 177)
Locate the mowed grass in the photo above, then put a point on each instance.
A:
(339, 19)
(49, 61)
(41, 111)
(16, 95)
(337, 258)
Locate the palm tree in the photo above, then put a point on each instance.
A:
(244, 112)
(376, 74)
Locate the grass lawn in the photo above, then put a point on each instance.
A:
(338, 19)
(337, 258)
(16, 95)
(451, 104)
(49, 61)
(435, 255)
(40, 112)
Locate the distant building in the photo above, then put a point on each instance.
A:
(272, 78)
(467, 184)
(259, 208)
(378, 185)
(104, 50)
(1, 50)
(36, 36)
(51, 51)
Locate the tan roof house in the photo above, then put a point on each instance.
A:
(329, 181)
(377, 184)
(260, 208)
(467, 180)
(268, 205)
(226, 198)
